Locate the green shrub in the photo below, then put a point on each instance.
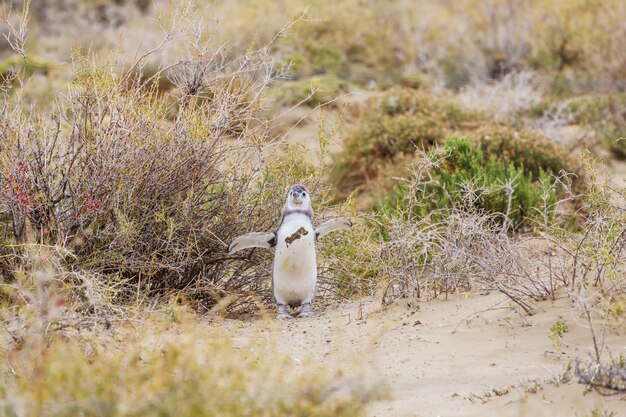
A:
(525, 148)
(557, 331)
(392, 125)
(470, 180)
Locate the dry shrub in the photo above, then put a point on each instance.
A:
(515, 92)
(462, 246)
(606, 114)
(469, 248)
(467, 252)
(601, 311)
(145, 189)
(130, 193)
(598, 255)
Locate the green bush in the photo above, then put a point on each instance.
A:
(470, 180)
(526, 148)
(392, 125)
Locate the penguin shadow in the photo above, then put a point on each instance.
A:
(290, 313)
(298, 312)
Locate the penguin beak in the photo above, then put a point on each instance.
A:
(297, 198)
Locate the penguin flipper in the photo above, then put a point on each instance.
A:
(253, 240)
(332, 225)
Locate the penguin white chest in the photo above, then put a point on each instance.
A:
(295, 266)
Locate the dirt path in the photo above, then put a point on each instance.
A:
(445, 359)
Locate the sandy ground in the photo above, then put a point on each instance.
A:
(468, 356)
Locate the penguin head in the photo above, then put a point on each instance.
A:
(298, 198)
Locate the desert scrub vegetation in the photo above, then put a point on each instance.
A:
(117, 201)
(315, 91)
(572, 46)
(464, 177)
(391, 126)
(187, 376)
(144, 187)
(419, 251)
(606, 115)
(389, 129)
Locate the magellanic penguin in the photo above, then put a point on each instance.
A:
(294, 273)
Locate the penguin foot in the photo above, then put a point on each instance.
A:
(282, 313)
(306, 310)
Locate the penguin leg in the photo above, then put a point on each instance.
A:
(305, 311)
(282, 313)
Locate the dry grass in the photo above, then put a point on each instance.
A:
(515, 92)
(574, 46)
(159, 362)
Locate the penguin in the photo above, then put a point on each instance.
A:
(294, 272)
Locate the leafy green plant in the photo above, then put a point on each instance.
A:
(557, 331)
(525, 148)
(468, 180)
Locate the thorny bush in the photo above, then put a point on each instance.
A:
(423, 253)
(146, 189)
